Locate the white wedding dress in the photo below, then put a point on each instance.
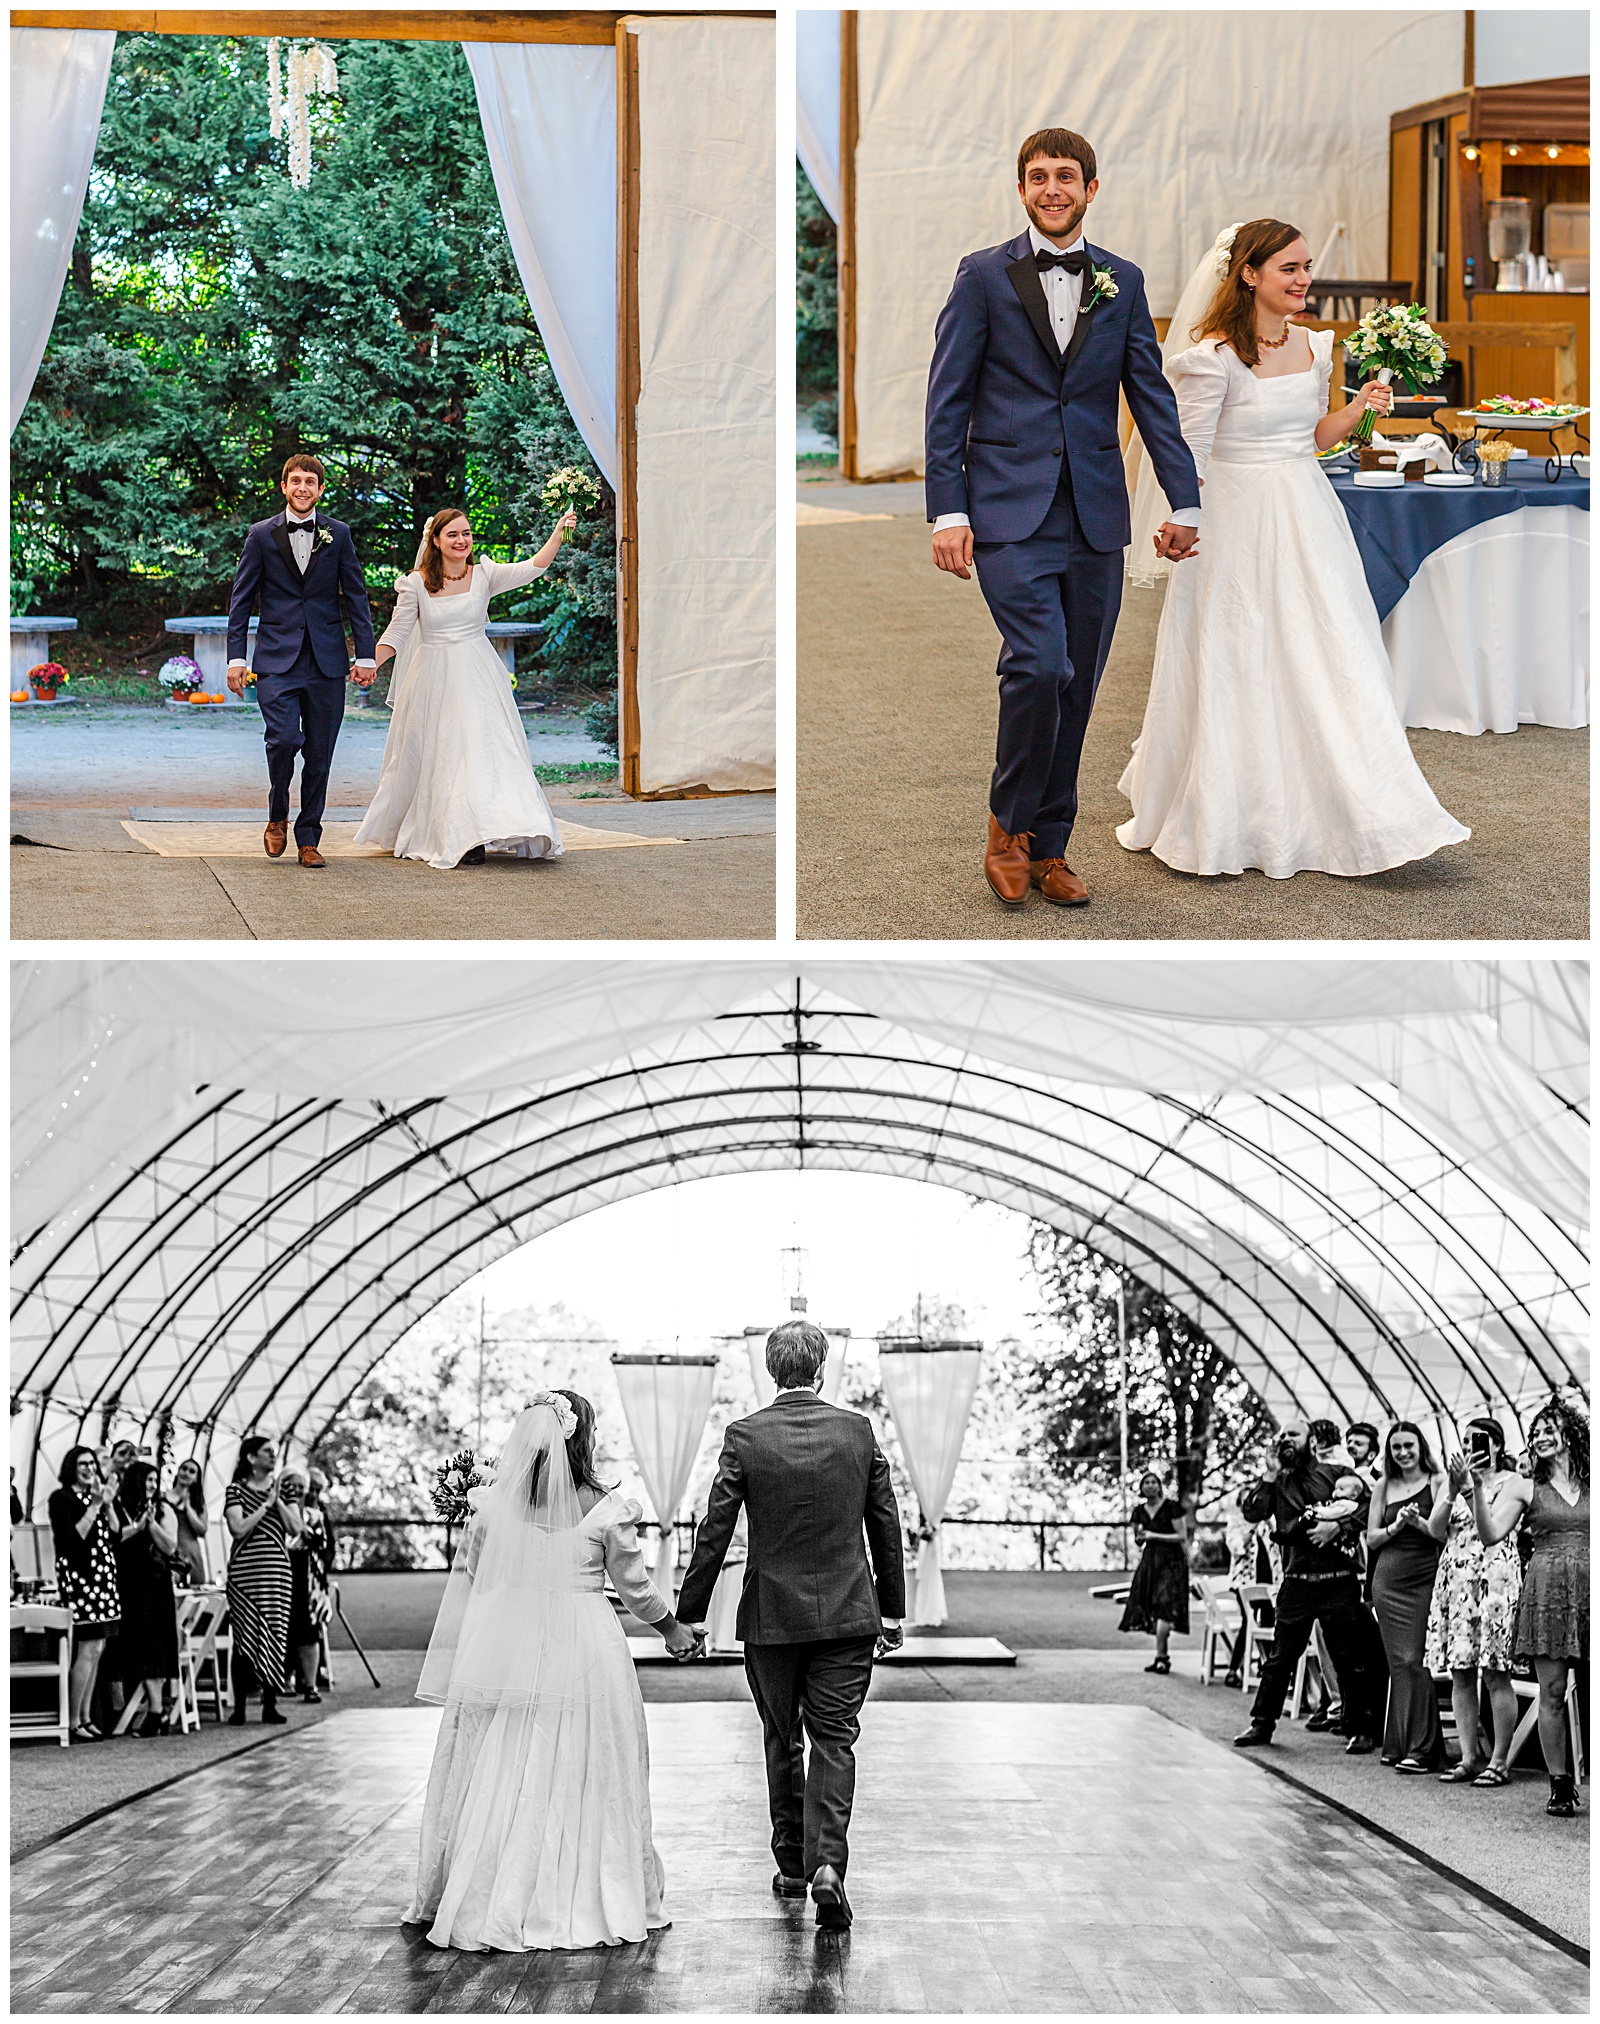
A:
(456, 770)
(1271, 739)
(536, 1830)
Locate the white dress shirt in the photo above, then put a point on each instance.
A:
(1062, 294)
(302, 535)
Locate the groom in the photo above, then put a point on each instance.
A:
(812, 1614)
(1025, 480)
(299, 564)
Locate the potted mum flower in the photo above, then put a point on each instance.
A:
(180, 677)
(45, 679)
(1399, 341)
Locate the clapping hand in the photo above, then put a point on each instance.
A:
(1461, 1474)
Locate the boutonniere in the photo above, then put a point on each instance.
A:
(325, 534)
(1104, 288)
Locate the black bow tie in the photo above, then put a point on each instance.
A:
(302, 526)
(1075, 262)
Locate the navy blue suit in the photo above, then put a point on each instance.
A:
(300, 661)
(1023, 439)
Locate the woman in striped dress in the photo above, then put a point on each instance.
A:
(260, 1586)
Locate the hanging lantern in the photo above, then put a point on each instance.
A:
(312, 73)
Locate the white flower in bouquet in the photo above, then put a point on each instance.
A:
(1397, 341)
(569, 490)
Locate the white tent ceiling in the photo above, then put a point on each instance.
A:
(237, 1184)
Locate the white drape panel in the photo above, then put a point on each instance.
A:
(707, 411)
(816, 77)
(755, 1342)
(549, 115)
(1196, 118)
(1493, 630)
(58, 87)
(665, 1402)
(929, 1393)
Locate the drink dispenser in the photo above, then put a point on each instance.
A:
(1510, 238)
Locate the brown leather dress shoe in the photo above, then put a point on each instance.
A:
(276, 838)
(1058, 882)
(1005, 865)
(311, 857)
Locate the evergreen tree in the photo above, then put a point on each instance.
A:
(816, 307)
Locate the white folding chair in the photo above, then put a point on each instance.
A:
(1221, 1627)
(39, 1619)
(1528, 1690)
(204, 1648)
(33, 1556)
(1259, 1637)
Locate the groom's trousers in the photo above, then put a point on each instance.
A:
(1055, 600)
(302, 711)
(810, 1692)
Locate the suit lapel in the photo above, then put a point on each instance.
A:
(1080, 328)
(1024, 278)
(280, 535)
(319, 548)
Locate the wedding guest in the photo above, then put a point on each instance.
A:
(1553, 1613)
(117, 1461)
(1405, 1537)
(1158, 1597)
(1361, 1444)
(1243, 1543)
(189, 1504)
(18, 1515)
(86, 1573)
(1319, 1586)
(260, 1583)
(1326, 1444)
(308, 1574)
(147, 1643)
(1473, 1619)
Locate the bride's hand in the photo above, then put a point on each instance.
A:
(1377, 396)
(566, 523)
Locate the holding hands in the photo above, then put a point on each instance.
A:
(684, 1641)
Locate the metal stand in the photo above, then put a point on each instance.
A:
(338, 1610)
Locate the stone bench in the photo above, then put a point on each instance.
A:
(209, 637)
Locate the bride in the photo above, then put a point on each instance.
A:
(1271, 739)
(457, 780)
(536, 1832)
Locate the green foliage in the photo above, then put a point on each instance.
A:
(1190, 1414)
(215, 320)
(600, 721)
(816, 307)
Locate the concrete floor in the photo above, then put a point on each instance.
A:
(896, 721)
(78, 875)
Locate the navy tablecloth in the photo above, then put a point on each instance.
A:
(1397, 529)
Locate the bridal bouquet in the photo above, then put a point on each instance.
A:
(569, 490)
(1399, 341)
(452, 1487)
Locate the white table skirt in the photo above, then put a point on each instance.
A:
(1494, 629)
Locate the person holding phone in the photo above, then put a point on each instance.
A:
(86, 1573)
(1474, 1615)
(260, 1583)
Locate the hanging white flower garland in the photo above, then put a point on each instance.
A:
(312, 72)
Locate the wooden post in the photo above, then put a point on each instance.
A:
(849, 130)
(627, 404)
(1469, 51)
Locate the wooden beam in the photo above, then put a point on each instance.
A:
(849, 133)
(595, 26)
(628, 376)
(1469, 51)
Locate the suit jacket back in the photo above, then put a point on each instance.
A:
(817, 1495)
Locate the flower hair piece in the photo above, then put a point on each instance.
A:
(1222, 247)
(566, 1418)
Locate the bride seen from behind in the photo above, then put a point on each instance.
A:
(536, 1831)
(457, 781)
(1271, 740)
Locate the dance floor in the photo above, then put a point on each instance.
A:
(1006, 1858)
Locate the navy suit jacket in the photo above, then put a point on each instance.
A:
(1006, 407)
(816, 1490)
(293, 606)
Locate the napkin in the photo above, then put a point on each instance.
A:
(1430, 449)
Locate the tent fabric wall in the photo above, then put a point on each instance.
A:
(549, 113)
(816, 64)
(297, 1161)
(706, 417)
(1197, 118)
(58, 89)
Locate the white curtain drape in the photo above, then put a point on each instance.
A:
(549, 115)
(58, 87)
(816, 77)
(929, 1392)
(707, 411)
(1196, 118)
(665, 1400)
(755, 1342)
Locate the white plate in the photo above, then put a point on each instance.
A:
(1453, 479)
(1379, 481)
(1489, 421)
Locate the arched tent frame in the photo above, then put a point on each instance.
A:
(246, 1254)
(641, 774)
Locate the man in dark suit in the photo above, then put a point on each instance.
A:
(813, 1613)
(299, 565)
(1025, 479)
